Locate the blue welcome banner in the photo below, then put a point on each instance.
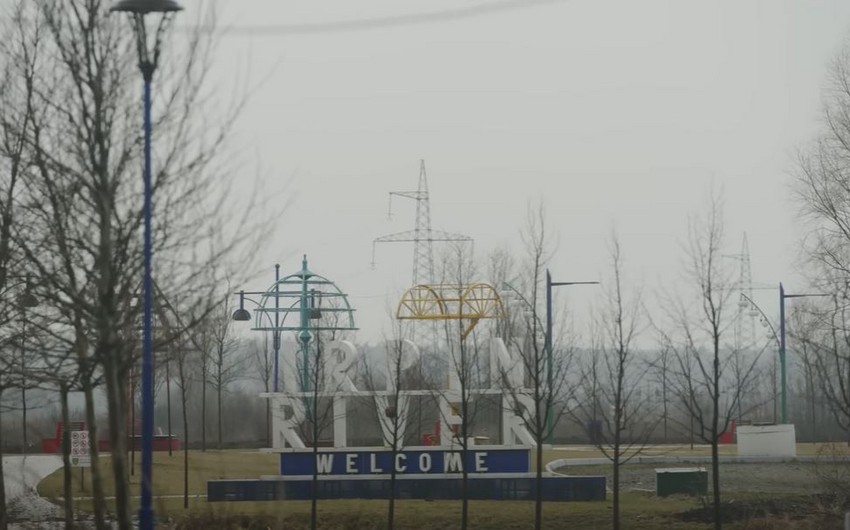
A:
(480, 459)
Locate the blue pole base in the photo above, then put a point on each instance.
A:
(146, 518)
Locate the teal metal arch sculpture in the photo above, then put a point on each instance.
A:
(313, 298)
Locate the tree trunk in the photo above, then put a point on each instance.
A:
(664, 398)
(185, 450)
(538, 480)
(391, 504)
(3, 519)
(464, 486)
(268, 422)
(314, 493)
(715, 484)
(68, 471)
(203, 406)
(117, 438)
(168, 405)
(218, 411)
(715, 432)
(24, 441)
(618, 420)
(24, 416)
(397, 439)
(692, 431)
(132, 441)
(615, 517)
(540, 429)
(96, 476)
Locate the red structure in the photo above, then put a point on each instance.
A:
(728, 436)
(160, 443)
(54, 445)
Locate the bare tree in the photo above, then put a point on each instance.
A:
(807, 324)
(316, 385)
(183, 361)
(392, 406)
(226, 364)
(660, 372)
(540, 397)
(54, 369)
(612, 407)
(82, 146)
(17, 61)
(464, 367)
(823, 182)
(205, 341)
(702, 377)
(822, 187)
(262, 360)
(824, 339)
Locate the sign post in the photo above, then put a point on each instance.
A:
(80, 455)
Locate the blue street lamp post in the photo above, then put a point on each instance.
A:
(547, 342)
(147, 64)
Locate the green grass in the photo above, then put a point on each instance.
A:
(587, 451)
(639, 510)
(416, 514)
(168, 472)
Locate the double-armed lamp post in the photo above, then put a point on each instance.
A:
(780, 339)
(148, 57)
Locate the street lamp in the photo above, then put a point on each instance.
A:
(547, 339)
(243, 315)
(548, 345)
(782, 297)
(781, 340)
(137, 9)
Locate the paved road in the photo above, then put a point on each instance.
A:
(21, 475)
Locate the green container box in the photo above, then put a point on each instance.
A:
(681, 480)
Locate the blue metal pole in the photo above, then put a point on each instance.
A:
(784, 402)
(304, 331)
(548, 348)
(146, 514)
(276, 332)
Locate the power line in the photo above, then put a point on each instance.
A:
(378, 22)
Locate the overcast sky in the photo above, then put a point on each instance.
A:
(617, 113)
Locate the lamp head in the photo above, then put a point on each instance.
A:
(241, 315)
(143, 7)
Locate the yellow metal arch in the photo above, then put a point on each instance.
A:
(421, 302)
(451, 302)
(482, 300)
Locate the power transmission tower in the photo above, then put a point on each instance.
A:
(422, 235)
(745, 321)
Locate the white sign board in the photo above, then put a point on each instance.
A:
(80, 456)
